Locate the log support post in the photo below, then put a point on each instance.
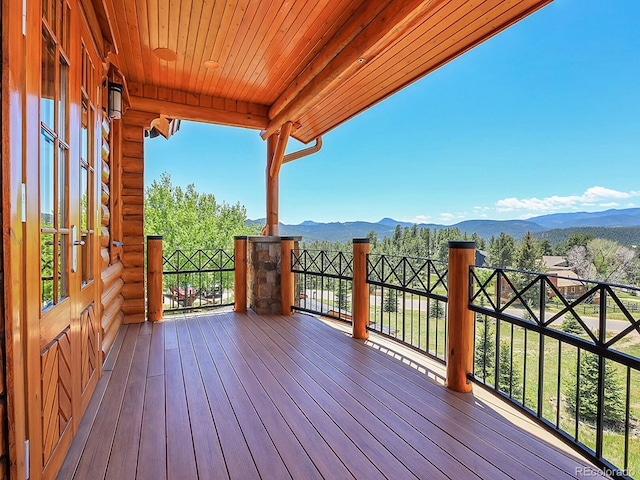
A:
(276, 146)
(360, 288)
(286, 275)
(460, 318)
(154, 278)
(240, 274)
(271, 228)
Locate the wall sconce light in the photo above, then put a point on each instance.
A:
(115, 100)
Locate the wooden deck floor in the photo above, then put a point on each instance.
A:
(244, 396)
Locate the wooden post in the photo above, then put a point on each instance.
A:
(460, 318)
(287, 279)
(360, 292)
(240, 274)
(272, 188)
(154, 278)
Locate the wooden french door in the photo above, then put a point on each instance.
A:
(64, 358)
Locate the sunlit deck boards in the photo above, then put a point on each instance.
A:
(243, 396)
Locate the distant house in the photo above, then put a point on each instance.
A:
(567, 282)
(563, 277)
(560, 274)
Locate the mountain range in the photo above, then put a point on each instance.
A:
(345, 231)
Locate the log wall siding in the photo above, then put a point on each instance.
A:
(112, 267)
(132, 194)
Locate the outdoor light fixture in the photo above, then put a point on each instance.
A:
(115, 100)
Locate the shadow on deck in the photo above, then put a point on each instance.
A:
(247, 396)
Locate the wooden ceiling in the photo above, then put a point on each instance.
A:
(316, 63)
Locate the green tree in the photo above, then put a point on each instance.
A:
(485, 351)
(604, 260)
(189, 220)
(501, 250)
(342, 295)
(545, 246)
(390, 301)
(576, 239)
(510, 378)
(528, 254)
(436, 310)
(373, 240)
(571, 325)
(614, 409)
(481, 244)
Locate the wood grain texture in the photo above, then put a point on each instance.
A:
(317, 63)
(293, 397)
(132, 221)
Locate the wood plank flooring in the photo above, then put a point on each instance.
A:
(225, 395)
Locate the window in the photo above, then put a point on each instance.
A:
(54, 158)
(87, 170)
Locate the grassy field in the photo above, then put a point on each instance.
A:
(413, 325)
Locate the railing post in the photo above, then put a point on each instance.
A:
(240, 274)
(360, 288)
(460, 318)
(154, 278)
(286, 275)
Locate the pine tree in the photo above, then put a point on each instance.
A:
(342, 295)
(501, 250)
(485, 351)
(390, 301)
(571, 325)
(510, 379)
(435, 309)
(528, 254)
(614, 409)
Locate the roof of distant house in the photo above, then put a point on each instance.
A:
(566, 278)
(555, 262)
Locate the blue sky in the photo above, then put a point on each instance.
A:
(542, 118)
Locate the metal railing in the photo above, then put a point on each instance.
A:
(569, 359)
(197, 280)
(409, 301)
(323, 282)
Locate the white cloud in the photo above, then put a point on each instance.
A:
(447, 216)
(417, 219)
(610, 204)
(590, 197)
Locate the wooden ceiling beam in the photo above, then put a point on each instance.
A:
(362, 17)
(283, 138)
(198, 108)
(389, 25)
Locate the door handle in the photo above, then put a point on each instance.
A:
(74, 253)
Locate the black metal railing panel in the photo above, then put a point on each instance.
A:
(197, 279)
(409, 301)
(323, 282)
(567, 351)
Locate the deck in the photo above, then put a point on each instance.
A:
(215, 396)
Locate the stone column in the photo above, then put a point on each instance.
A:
(264, 272)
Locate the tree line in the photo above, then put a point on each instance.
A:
(590, 257)
(189, 220)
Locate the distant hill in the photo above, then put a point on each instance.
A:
(629, 217)
(544, 226)
(626, 236)
(488, 228)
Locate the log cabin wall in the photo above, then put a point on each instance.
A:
(132, 195)
(110, 236)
